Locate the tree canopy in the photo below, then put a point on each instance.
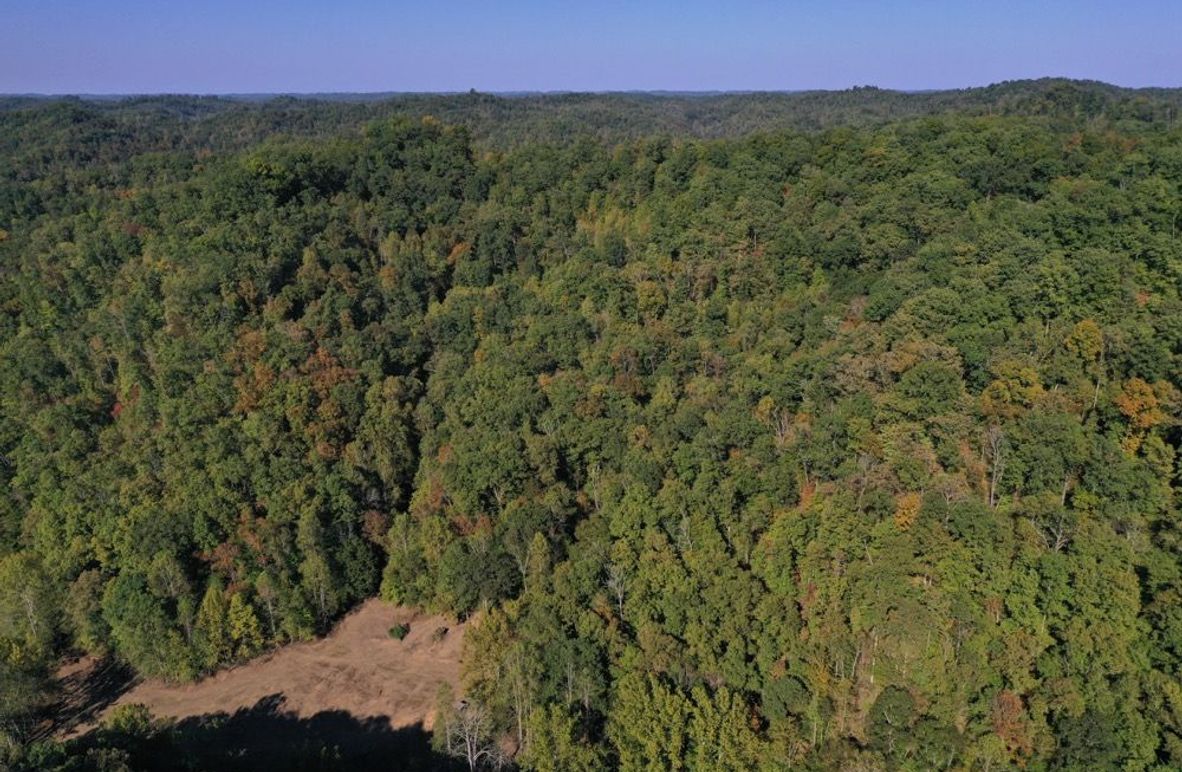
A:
(823, 443)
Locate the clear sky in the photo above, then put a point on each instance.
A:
(224, 46)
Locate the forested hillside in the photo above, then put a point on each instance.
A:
(823, 448)
(504, 121)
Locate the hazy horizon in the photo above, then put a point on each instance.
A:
(134, 47)
(511, 93)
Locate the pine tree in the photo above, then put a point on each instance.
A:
(212, 634)
(245, 632)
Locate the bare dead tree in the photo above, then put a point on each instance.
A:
(783, 428)
(1056, 530)
(616, 583)
(468, 735)
(995, 446)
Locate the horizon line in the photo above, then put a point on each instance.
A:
(112, 95)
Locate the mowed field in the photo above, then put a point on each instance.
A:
(357, 689)
(358, 669)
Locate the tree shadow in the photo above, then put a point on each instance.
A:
(85, 694)
(265, 736)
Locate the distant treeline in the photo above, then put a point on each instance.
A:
(506, 120)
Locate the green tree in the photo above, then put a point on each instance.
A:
(243, 626)
(214, 643)
(557, 744)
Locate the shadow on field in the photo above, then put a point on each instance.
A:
(85, 692)
(265, 737)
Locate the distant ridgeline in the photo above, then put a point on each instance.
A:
(510, 120)
(824, 430)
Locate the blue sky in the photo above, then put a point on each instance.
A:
(222, 46)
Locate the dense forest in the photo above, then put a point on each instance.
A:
(815, 431)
